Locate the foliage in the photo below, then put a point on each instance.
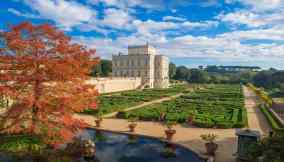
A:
(21, 143)
(272, 80)
(102, 69)
(198, 76)
(261, 94)
(182, 73)
(118, 101)
(219, 106)
(271, 149)
(209, 137)
(172, 70)
(44, 74)
(273, 121)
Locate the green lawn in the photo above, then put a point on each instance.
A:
(121, 100)
(219, 106)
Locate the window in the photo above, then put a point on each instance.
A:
(132, 63)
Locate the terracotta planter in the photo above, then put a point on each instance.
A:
(211, 148)
(98, 122)
(190, 120)
(170, 133)
(132, 127)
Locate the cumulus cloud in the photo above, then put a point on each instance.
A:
(116, 18)
(223, 46)
(65, 14)
(252, 19)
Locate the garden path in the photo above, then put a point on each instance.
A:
(189, 136)
(256, 119)
(144, 104)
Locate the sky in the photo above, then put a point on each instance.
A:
(189, 32)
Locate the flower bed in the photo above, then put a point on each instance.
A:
(220, 106)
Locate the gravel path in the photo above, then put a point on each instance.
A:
(256, 119)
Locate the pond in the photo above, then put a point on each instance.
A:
(115, 147)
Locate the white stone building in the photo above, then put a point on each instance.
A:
(144, 62)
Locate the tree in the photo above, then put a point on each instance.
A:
(263, 79)
(103, 68)
(172, 70)
(182, 73)
(44, 75)
(198, 76)
(106, 67)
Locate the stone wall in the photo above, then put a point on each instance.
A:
(107, 85)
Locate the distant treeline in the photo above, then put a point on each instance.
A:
(272, 79)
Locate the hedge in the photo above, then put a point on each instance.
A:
(274, 123)
(219, 106)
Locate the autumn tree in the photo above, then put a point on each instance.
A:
(44, 74)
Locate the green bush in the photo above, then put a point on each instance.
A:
(224, 124)
(274, 123)
(203, 124)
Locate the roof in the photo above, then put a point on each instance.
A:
(248, 132)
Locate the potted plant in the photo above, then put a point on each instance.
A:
(210, 145)
(170, 132)
(190, 118)
(98, 119)
(132, 124)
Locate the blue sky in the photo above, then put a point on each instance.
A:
(190, 32)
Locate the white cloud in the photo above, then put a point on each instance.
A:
(66, 14)
(173, 18)
(203, 24)
(252, 19)
(124, 4)
(18, 13)
(224, 46)
(148, 27)
(263, 5)
(116, 18)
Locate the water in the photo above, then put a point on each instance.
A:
(114, 147)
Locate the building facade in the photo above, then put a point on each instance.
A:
(144, 62)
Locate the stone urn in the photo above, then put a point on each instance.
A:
(98, 122)
(132, 127)
(211, 148)
(169, 134)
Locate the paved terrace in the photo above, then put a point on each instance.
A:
(190, 136)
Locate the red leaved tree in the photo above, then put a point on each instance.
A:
(44, 74)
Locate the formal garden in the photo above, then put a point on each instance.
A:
(43, 90)
(220, 106)
(118, 101)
